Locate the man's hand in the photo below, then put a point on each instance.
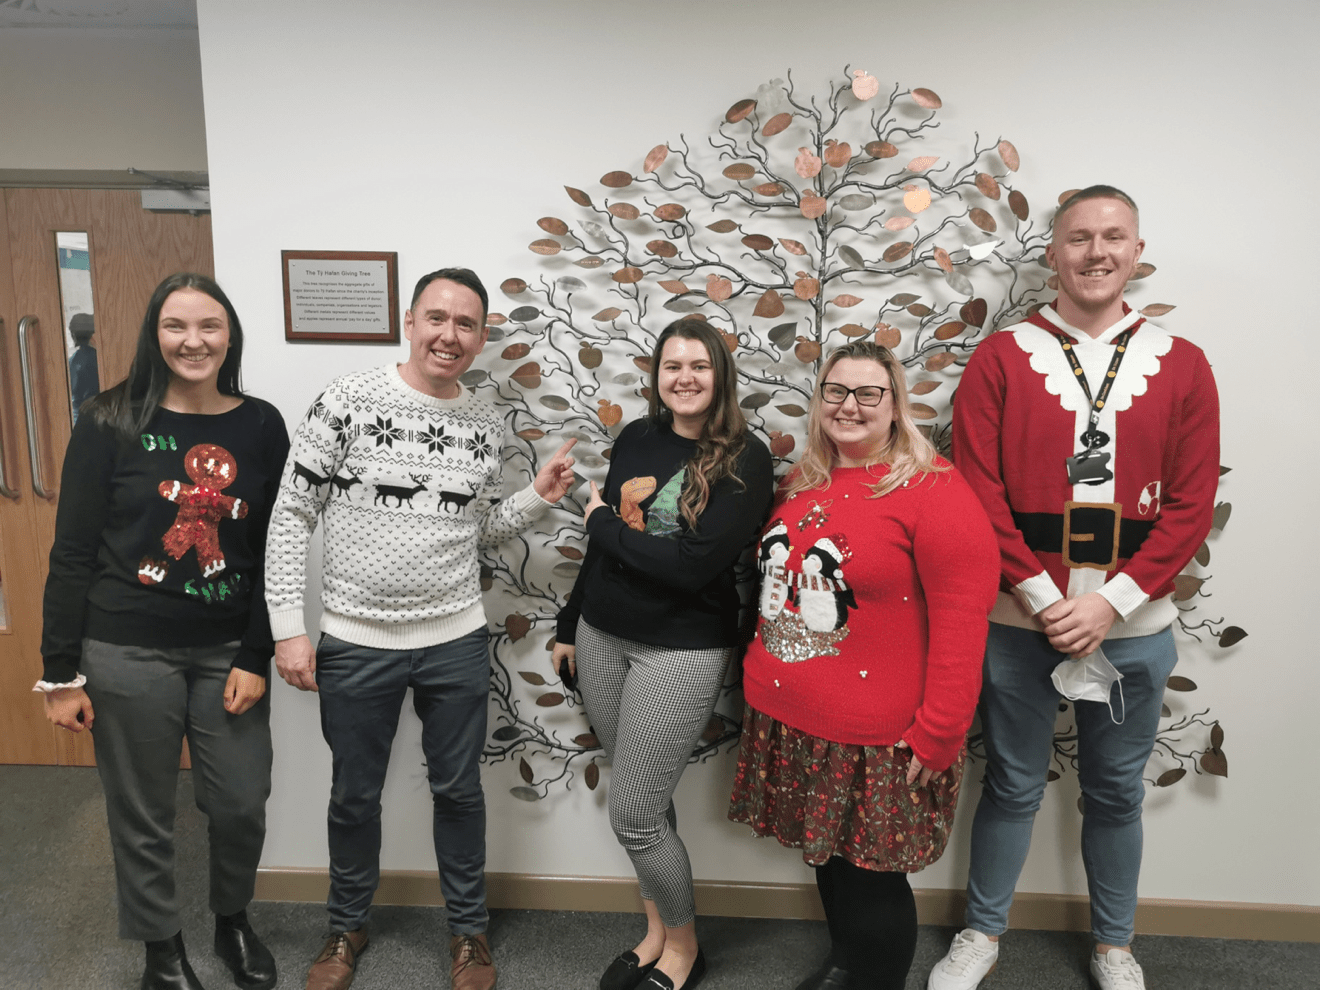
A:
(296, 661)
(243, 690)
(555, 479)
(70, 708)
(1076, 626)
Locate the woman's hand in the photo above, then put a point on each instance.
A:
(593, 503)
(243, 690)
(70, 708)
(916, 772)
(562, 652)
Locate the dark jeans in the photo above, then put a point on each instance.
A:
(362, 692)
(146, 701)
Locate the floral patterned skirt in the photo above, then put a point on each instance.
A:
(834, 799)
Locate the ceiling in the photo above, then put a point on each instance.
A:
(131, 14)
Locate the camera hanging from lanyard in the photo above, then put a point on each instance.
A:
(1090, 466)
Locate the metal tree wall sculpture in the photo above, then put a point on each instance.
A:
(796, 225)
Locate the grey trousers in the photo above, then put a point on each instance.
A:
(146, 701)
(649, 705)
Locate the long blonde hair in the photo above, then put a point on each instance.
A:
(723, 435)
(908, 453)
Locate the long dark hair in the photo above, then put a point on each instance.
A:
(128, 407)
(723, 435)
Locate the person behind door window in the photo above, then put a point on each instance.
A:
(1091, 437)
(878, 571)
(404, 466)
(155, 621)
(653, 619)
(84, 376)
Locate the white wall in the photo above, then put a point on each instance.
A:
(101, 99)
(442, 134)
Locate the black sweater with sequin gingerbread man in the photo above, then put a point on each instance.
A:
(159, 542)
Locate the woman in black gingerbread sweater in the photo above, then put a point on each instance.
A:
(653, 619)
(155, 618)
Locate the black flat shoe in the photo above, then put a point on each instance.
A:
(828, 977)
(167, 967)
(239, 948)
(625, 973)
(659, 981)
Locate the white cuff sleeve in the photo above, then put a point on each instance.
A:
(1037, 593)
(46, 687)
(1124, 594)
(287, 624)
(530, 502)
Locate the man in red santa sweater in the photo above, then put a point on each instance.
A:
(1092, 439)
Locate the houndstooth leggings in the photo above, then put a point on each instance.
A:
(649, 705)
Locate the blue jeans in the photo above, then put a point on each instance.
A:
(362, 692)
(1018, 709)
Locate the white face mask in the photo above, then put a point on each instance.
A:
(1092, 678)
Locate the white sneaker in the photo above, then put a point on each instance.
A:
(971, 958)
(1116, 970)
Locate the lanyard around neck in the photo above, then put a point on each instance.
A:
(1093, 438)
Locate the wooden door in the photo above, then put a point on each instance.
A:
(129, 252)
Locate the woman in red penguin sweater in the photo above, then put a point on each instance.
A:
(879, 568)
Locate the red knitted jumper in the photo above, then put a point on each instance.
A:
(1018, 416)
(873, 613)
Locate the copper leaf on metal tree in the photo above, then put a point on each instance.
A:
(1170, 777)
(1179, 683)
(550, 699)
(1232, 635)
(1157, 309)
(527, 375)
(1185, 586)
(616, 180)
(1009, 155)
(592, 775)
(1220, 519)
(517, 626)
(587, 740)
(531, 677)
(921, 388)
(546, 246)
(1018, 204)
(655, 157)
(974, 311)
(926, 98)
(986, 185)
(739, 110)
(515, 351)
(525, 793)
(578, 196)
(1215, 762)
(525, 770)
(506, 733)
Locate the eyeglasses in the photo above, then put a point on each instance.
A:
(866, 395)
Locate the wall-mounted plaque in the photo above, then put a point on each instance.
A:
(341, 295)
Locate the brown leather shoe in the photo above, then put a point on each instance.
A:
(472, 968)
(334, 965)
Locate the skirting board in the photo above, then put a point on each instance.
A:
(1049, 912)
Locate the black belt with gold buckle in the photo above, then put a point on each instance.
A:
(1087, 534)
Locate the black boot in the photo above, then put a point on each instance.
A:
(830, 976)
(239, 948)
(167, 966)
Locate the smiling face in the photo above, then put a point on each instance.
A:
(860, 433)
(446, 331)
(1095, 251)
(193, 330)
(686, 383)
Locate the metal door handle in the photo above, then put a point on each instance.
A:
(5, 490)
(29, 408)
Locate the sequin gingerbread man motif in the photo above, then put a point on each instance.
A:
(201, 507)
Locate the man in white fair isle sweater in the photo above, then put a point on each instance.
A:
(1092, 440)
(404, 465)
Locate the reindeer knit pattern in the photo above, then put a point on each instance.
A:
(408, 486)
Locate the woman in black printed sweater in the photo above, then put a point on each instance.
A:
(653, 619)
(156, 623)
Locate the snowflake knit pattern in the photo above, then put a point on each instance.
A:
(409, 486)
